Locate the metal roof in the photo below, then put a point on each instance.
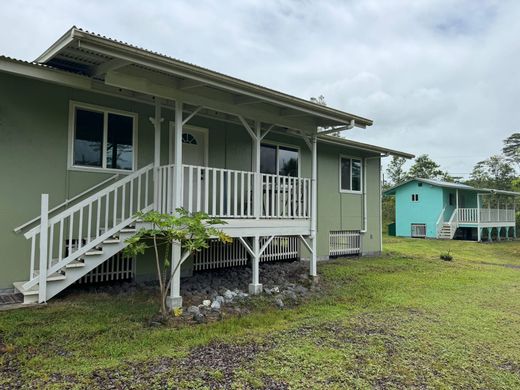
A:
(83, 52)
(447, 184)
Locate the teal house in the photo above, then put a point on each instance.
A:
(437, 209)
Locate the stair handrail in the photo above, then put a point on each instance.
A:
(66, 202)
(79, 208)
(453, 224)
(440, 221)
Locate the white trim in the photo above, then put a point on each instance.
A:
(73, 105)
(284, 145)
(361, 184)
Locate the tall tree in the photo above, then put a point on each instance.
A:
(425, 168)
(396, 172)
(512, 148)
(322, 102)
(495, 172)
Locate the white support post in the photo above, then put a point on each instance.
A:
(314, 207)
(44, 222)
(255, 287)
(257, 195)
(156, 121)
(479, 232)
(457, 205)
(175, 300)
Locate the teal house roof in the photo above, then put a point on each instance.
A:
(447, 184)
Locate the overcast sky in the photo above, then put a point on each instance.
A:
(436, 76)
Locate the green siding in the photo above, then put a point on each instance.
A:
(33, 160)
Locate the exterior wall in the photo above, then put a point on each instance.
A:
(34, 147)
(426, 210)
(344, 211)
(33, 158)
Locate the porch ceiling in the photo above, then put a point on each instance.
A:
(119, 64)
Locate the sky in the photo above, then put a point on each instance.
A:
(436, 76)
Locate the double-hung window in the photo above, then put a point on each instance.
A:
(278, 159)
(350, 174)
(102, 138)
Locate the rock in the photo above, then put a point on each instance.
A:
(219, 299)
(193, 310)
(215, 305)
(290, 294)
(206, 302)
(301, 290)
(279, 303)
(275, 290)
(199, 318)
(228, 294)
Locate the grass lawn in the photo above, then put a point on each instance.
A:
(405, 319)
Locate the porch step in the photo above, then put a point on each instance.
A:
(75, 264)
(112, 241)
(54, 277)
(30, 295)
(94, 252)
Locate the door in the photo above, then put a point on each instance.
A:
(194, 153)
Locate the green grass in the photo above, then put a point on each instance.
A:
(405, 319)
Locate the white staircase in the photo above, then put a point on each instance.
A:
(446, 232)
(73, 242)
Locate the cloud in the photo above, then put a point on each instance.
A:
(437, 77)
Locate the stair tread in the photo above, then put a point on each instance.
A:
(54, 277)
(19, 286)
(75, 264)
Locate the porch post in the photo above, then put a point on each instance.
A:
(255, 287)
(457, 204)
(175, 300)
(257, 195)
(44, 218)
(314, 206)
(479, 232)
(157, 120)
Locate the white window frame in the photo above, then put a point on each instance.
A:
(277, 146)
(416, 195)
(73, 105)
(360, 159)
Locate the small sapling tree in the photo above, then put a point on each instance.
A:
(189, 230)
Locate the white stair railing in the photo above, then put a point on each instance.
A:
(440, 222)
(453, 222)
(73, 232)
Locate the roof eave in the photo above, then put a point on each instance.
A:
(194, 72)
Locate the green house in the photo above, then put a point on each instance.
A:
(438, 209)
(95, 130)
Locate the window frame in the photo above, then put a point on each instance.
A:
(277, 146)
(361, 178)
(73, 105)
(416, 196)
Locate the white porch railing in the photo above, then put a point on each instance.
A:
(470, 215)
(226, 193)
(80, 228)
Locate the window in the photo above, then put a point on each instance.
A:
(418, 230)
(450, 197)
(415, 197)
(350, 174)
(102, 139)
(188, 138)
(281, 160)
